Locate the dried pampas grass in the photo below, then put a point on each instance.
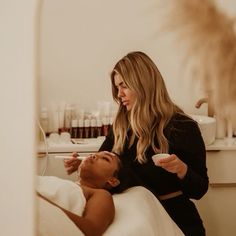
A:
(209, 38)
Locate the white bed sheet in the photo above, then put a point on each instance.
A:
(138, 213)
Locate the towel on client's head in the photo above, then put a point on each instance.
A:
(64, 193)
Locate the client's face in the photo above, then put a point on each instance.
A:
(99, 168)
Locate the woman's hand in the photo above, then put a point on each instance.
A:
(71, 165)
(174, 165)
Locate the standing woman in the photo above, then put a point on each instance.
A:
(148, 122)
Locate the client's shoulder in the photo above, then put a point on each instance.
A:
(95, 192)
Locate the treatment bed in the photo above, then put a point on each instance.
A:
(138, 213)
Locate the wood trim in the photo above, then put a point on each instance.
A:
(218, 185)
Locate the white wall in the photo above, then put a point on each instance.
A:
(17, 102)
(228, 7)
(82, 40)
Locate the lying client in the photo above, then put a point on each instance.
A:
(98, 175)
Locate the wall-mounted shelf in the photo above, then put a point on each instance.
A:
(222, 144)
(85, 145)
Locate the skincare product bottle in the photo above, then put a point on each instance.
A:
(44, 121)
(93, 130)
(110, 123)
(61, 117)
(68, 114)
(105, 126)
(220, 127)
(74, 124)
(99, 127)
(80, 131)
(86, 128)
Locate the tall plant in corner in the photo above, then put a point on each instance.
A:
(209, 39)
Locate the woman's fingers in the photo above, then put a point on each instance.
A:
(170, 163)
(69, 162)
(69, 170)
(72, 164)
(75, 154)
(173, 164)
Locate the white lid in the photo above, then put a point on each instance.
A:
(99, 123)
(93, 123)
(86, 123)
(105, 120)
(74, 123)
(81, 123)
(111, 120)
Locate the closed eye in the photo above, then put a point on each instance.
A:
(121, 85)
(106, 159)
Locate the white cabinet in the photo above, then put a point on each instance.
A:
(218, 206)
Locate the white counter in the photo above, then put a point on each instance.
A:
(222, 144)
(93, 144)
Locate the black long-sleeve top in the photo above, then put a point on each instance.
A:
(186, 142)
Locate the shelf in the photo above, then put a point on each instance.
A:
(93, 144)
(82, 145)
(222, 144)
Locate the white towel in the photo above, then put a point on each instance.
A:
(52, 221)
(64, 193)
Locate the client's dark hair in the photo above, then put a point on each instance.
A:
(127, 179)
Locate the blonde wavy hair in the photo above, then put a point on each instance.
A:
(152, 110)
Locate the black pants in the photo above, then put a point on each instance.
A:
(185, 214)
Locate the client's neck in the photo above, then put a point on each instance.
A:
(89, 183)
